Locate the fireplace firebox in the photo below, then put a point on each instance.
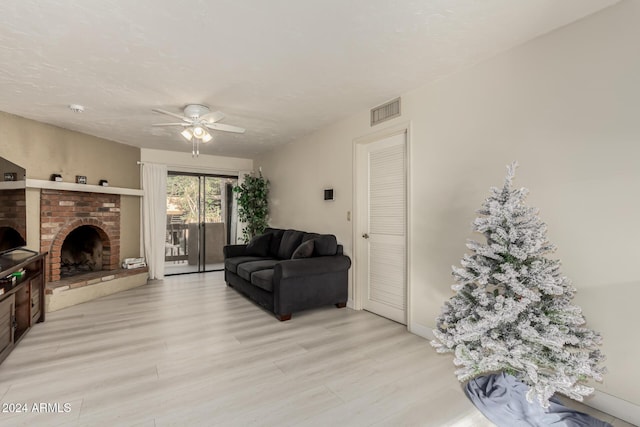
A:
(82, 251)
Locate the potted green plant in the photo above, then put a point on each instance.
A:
(253, 206)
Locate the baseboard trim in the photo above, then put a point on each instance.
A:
(421, 331)
(350, 304)
(615, 406)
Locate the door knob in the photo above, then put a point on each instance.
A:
(365, 235)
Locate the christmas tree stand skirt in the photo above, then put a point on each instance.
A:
(502, 399)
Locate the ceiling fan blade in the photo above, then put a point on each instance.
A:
(213, 117)
(171, 124)
(169, 113)
(225, 128)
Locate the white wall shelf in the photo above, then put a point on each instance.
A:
(69, 186)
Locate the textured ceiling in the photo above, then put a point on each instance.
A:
(279, 68)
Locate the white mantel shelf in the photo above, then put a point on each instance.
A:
(69, 186)
(11, 185)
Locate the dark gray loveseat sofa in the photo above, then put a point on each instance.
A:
(286, 271)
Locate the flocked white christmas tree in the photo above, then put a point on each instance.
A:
(512, 311)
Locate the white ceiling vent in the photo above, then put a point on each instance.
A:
(386, 111)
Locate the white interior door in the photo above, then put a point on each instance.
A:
(383, 225)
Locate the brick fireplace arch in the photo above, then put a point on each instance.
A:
(15, 225)
(13, 213)
(110, 254)
(10, 235)
(61, 212)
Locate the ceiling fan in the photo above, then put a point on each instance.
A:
(196, 121)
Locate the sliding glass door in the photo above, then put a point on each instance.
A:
(201, 213)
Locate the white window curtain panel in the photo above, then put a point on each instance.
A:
(154, 217)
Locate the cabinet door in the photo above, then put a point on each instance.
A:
(22, 310)
(36, 299)
(6, 325)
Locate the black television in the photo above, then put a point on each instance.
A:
(13, 207)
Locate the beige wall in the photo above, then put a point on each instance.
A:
(566, 107)
(44, 149)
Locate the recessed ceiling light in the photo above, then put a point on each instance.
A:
(76, 108)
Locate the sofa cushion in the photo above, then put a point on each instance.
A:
(246, 268)
(276, 237)
(263, 279)
(259, 245)
(304, 250)
(290, 241)
(232, 264)
(325, 245)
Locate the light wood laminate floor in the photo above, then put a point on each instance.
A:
(188, 351)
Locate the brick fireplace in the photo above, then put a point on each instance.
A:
(65, 215)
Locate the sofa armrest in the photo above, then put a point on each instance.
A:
(310, 266)
(231, 251)
(299, 284)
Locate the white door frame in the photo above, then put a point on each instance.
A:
(359, 285)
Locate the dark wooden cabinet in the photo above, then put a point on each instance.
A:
(37, 289)
(22, 302)
(7, 308)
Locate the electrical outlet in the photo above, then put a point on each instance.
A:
(348, 215)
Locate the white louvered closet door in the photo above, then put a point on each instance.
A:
(386, 235)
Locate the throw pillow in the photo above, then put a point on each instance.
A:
(326, 245)
(259, 245)
(304, 250)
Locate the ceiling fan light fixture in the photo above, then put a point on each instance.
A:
(196, 121)
(187, 134)
(199, 132)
